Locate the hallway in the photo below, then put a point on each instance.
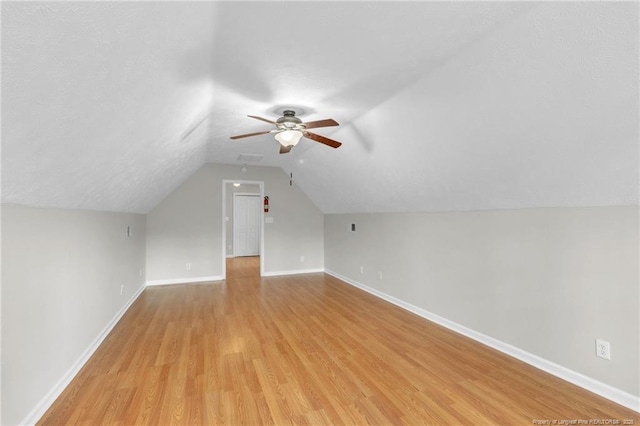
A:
(243, 267)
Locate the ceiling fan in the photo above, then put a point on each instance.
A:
(290, 129)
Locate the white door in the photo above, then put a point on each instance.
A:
(246, 225)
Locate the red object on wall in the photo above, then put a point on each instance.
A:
(266, 204)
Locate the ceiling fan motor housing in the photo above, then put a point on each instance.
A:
(289, 121)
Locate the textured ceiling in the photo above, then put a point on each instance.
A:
(442, 105)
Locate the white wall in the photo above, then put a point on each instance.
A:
(547, 281)
(61, 276)
(186, 227)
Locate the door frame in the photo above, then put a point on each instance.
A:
(243, 194)
(223, 253)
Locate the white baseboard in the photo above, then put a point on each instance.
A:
(294, 272)
(48, 400)
(184, 280)
(606, 391)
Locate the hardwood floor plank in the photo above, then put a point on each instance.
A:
(278, 406)
(303, 350)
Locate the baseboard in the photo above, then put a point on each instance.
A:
(184, 280)
(48, 400)
(294, 272)
(606, 391)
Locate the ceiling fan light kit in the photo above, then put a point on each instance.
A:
(289, 137)
(290, 129)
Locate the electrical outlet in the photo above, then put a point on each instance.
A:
(301, 259)
(380, 275)
(603, 349)
(188, 266)
(362, 270)
(121, 290)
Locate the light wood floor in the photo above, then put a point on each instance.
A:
(304, 349)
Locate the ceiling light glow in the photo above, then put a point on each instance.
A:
(289, 137)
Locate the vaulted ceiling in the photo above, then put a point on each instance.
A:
(443, 106)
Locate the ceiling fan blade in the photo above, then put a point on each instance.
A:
(262, 119)
(250, 134)
(285, 149)
(322, 139)
(321, 123)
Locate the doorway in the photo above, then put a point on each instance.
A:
(242, 223)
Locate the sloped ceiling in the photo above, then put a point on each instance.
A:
(443, 106)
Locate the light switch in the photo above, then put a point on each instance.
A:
(268, 219)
